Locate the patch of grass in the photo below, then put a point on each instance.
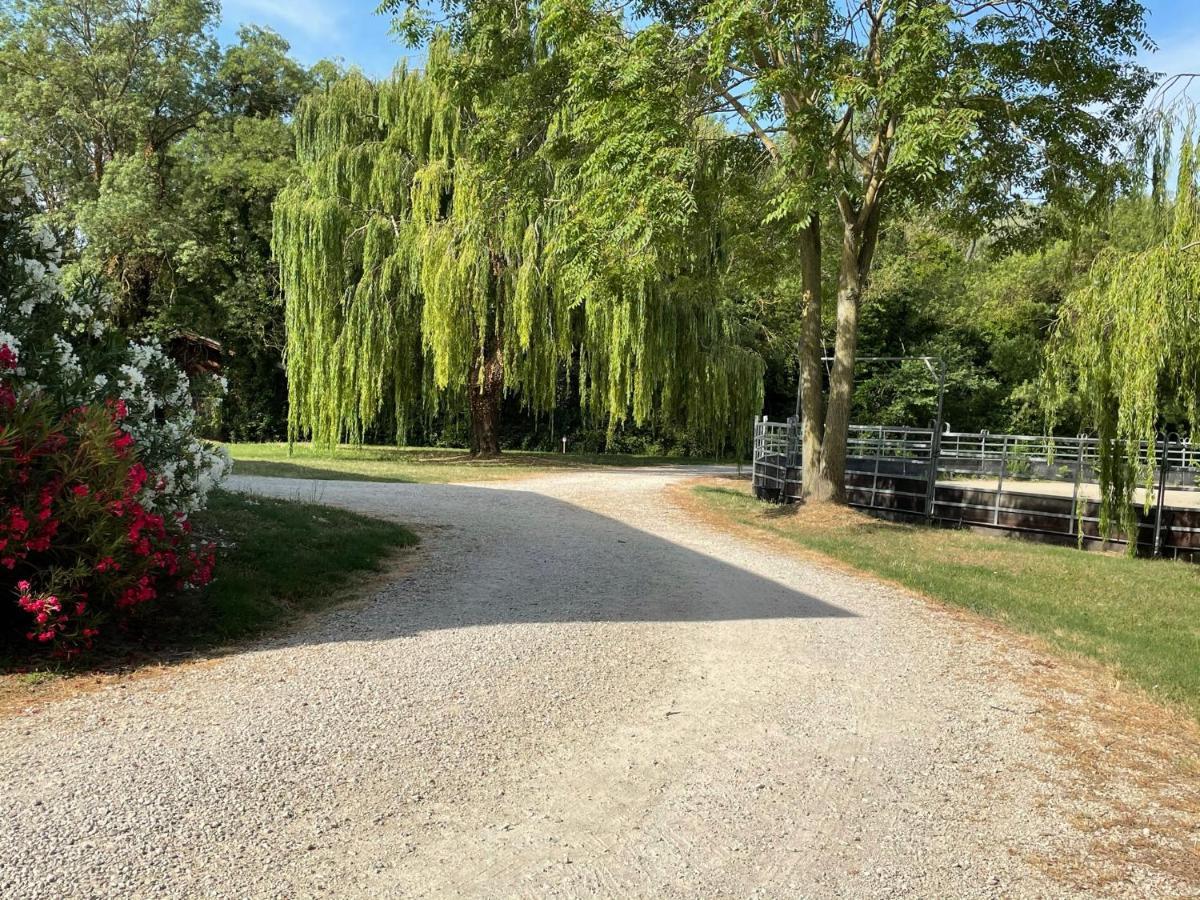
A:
(417, 464)
(278, 558)
(1139, 617)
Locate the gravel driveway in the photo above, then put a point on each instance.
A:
(570, 690)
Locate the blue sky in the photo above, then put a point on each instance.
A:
(317, 29)
(351, 31)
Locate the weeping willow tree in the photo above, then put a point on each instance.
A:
(1126, 346)
(424, 270)
(409, 280)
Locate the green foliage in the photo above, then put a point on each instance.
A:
(165, 153)
(84, 84)
(848, 113)
(427, 237)
(985, 311)
(1127, 342)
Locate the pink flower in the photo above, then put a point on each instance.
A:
(136, 478)
(81, 490)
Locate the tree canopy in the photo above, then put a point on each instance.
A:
(606, 219)
(427, 260)
(158, 154)
(857, 113)
(1127, 343)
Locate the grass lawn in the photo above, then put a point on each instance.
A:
(417, 464)
(277, 561)
(1139, 617)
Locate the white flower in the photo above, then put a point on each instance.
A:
(34, 270)
(133, 376)
(68, 362)
(11, 342)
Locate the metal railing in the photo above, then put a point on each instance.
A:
(1180, 454)
(973, 479)
(1022, 456)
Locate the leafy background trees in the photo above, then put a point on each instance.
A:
(861, 114)
(701, 175)
(162, 153)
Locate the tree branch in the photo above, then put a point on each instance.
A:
(750, 120)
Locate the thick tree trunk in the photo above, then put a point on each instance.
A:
(485, 395)
(859, 237)
(812, 401)
(831, 481)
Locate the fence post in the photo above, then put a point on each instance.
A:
(935, 455)
(875, 475)
(1164, 466)
(1075, 490)
(1000, 480)
(754, 457)
(793, 430)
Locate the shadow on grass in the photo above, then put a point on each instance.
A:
(271, 469)
(278, 560)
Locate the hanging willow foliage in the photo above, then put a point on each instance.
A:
(1127, 343)
(418, 276)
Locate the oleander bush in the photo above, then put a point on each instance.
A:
(100, 463)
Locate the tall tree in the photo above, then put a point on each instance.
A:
(93, 96)
(82, 83)
(221, 280)
(421, 257)
(859, 111)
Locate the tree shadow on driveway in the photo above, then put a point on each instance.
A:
(502, 556)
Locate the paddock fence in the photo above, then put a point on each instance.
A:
(1041, 487)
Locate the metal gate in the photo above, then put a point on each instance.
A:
(1040, 486)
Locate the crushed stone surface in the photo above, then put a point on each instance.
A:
(571, 689)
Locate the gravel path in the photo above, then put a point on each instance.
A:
(573, 690)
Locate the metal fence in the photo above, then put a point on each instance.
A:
(1038, 485)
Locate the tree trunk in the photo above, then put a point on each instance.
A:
(812, 401)
(859, 237)
(831, 481)
(486, 392)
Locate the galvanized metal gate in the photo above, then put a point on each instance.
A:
(1035, 485)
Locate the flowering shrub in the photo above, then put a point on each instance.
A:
(78, 544)
(62, 345)
(99, 461)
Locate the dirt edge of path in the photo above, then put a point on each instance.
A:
(1133, 763)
